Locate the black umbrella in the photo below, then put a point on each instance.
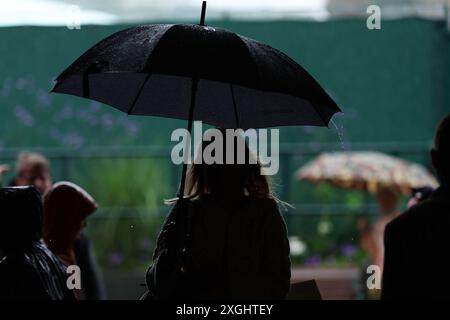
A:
(197, 72)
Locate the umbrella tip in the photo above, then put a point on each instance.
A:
(202, 17)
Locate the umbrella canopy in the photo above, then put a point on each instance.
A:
(239, 82)
(366, 171)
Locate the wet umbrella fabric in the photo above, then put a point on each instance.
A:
(239, 82)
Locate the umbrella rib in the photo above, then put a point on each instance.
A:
(234, 106)
(136, 98)
(86, 91)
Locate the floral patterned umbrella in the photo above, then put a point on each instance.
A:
(366, 171)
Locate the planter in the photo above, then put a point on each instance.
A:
(333, 283)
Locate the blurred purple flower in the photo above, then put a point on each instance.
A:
(348, 250)
(116, 258)
(132, 129)
(313, 260)
(93, 120)
(65, 113)
(24, 116)
(72, 139)
(146, 244)
(107, 121)
(87, 116)
(43, 98)
(95, 106)
(21, 83)
(83, 114)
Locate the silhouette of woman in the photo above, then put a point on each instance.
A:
(238, 246)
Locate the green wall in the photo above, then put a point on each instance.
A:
(391, 83)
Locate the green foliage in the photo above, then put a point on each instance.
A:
(329, 230)
(130, 194)
(128, 183)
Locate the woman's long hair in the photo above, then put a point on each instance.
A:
(211, 179)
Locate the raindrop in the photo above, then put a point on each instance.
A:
(340, 133)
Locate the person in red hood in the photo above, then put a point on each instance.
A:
(66, 207)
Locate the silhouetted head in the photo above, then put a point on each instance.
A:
(33, 169)
(228, 179)
(66, 207)
(387, 200)
(440, 154)
(20, 218)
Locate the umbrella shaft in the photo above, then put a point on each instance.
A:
(187, 148)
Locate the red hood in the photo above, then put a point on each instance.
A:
(66, 205)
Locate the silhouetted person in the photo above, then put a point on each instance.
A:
(28, 270)
(387, 199)
(66, 208)
(417, 246)
(371, 237)
(34, 169)
(239, 247)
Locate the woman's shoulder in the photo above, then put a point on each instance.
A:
(262, 208)
(266, 202)
(263, 203)
(266, 206)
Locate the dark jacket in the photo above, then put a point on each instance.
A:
(28, 270)
(92, 285)
(36, 274)
(417, 251)
(237, 255)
